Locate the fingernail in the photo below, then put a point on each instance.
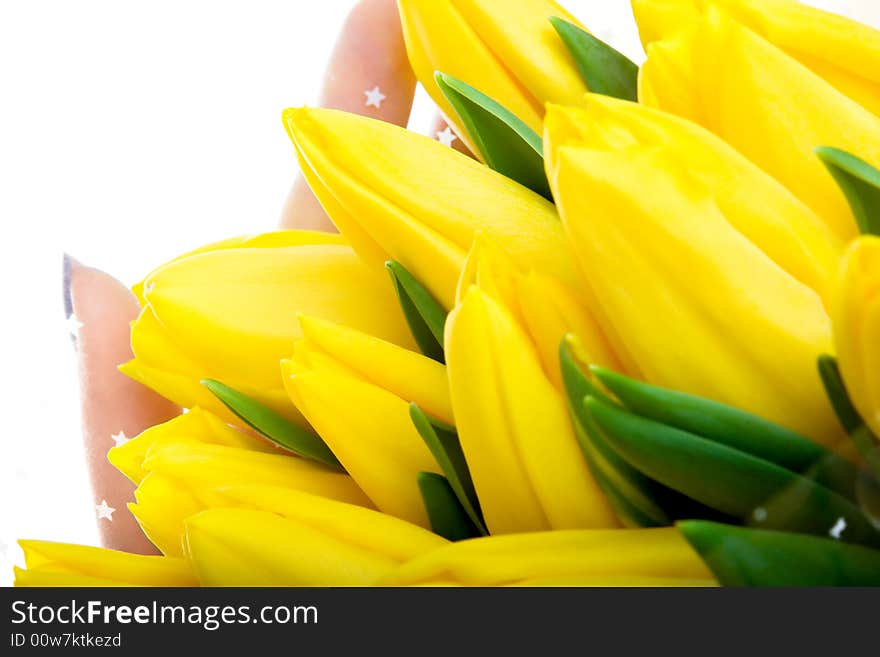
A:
(68, 264)
(65, 282)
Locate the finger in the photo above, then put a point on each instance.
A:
(368, 74)
(114, 407)
(443, 132)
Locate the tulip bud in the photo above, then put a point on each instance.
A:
(357, 398)
(514, 429)
(544, 307)
(754, 203)
(698, 306)
(764, 103)
(64, 564)
(595, 557)
(842, 51)
(282, 538)
(362, 169)
(179, 465)
(230, 314)
(508, 50)
(856, 317)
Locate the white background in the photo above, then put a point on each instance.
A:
(129, 132)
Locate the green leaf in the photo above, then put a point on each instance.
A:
(630, 493)
(443, 443)
(273, 426)
(504, 141)
(864, 440)
(448, 518)
(605, 70)
(728, 480)
(733, 427)
(754, 557)
(424, 315)
(860, 183)
(829, 372)
(637, 500)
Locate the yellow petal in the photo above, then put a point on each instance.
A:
(609, 553)
(764, 211)
(409, 375)
(371, 530)
(700, 308)
(237, 547)
(507, 50)
(764, 103)
(513, 426)
(843, 52)
(230, 314)
(64, 564)
(426, 221)
(205, 467)
(197, 425)
(370, 431)
(857, 327)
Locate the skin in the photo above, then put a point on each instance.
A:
(369, 52)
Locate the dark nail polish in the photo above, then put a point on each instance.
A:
(65, 282)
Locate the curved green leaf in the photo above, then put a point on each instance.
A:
(862, 436)
(443, 443)
(755, 557)
(728, 480)
(605, 70)
(860, 183)
(448, 518)
(505, 142)
(733, 427)
(424, 314)
(273, 426)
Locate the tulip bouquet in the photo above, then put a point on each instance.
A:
(635, 342)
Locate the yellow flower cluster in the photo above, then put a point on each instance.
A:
(696, 242)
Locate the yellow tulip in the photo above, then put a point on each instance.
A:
(699, 307)
(507, 49)
(754, 203)
(843, 52)
(409, 375)
(398, 195)
(573, 557)
(856, 317)
(367, 427)
(764, 103)
(546, 309)
(180, 465)
(64, 564)
(304, 541)
(527, 468)
(197, 425)
(229, 313)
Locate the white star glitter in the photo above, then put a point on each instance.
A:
(105, 510)
(446, 137)
(838, 528)
(374, 97)
(73, 325)
(760, 514)
(120, 438)
(149, 287)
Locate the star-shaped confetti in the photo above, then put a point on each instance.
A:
(120, 438)
(446, 137)
(104, 510)
(838, 528)
(73, 325)
(374, 97)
